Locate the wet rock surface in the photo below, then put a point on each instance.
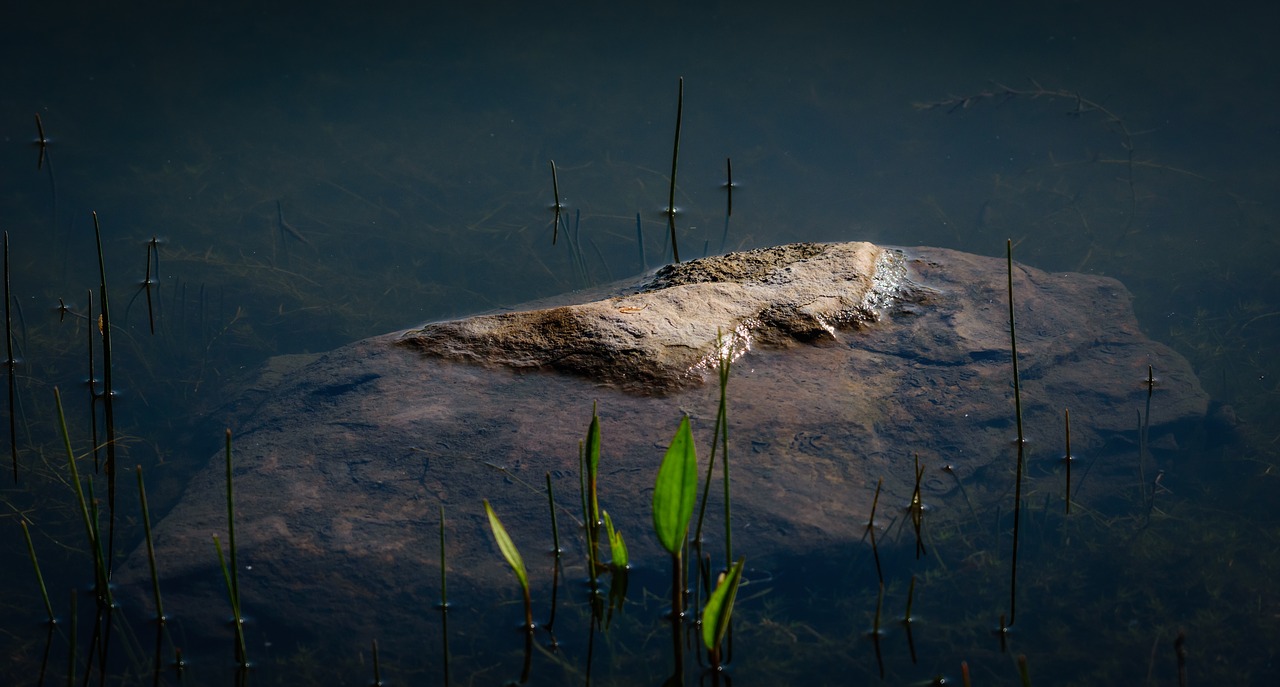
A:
(344, 459)
(659, 335)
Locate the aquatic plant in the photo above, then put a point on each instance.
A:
(1017, 404)
(719, 608)
(10, 363)
(151, 549)
(720, 439)
(35, 564)
(231, 574)
(591, 500)
(102, 591)
(673, 497)
(675, 157)
(237, 620)
(108, 393)
(512, 555)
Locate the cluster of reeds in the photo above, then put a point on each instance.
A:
(671, 246)
(674, 498)
(99, 526)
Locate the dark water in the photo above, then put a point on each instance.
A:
(408, 148)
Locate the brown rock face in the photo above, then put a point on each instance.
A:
(659, 335)
(852, 360)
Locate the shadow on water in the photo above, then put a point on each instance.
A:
(314, 178)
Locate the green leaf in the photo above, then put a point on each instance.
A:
(507, 547)
(616, 545)
(676, 489)
(715, 617)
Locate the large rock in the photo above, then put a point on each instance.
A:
(853, 359)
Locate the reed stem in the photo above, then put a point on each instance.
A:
(644, 263)
(146, 284)
(728, 164)
(93, 391)
(1017, 404)
(42, 142)
(1066, 418)
(675, 157)
(236, 618)
(1144, 448)
(555, 189)
(444, 602)
(875, 626)
(31, 551)
(102, 591)
(444, 582)
(871, 530)
(555, 528)
(911, 594)
(916, 509)
(151, 550)
(107, 409)
(10, 362)
(231, 531)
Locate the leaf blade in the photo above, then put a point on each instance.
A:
(719, 608)
(507, 547)
(676, 489)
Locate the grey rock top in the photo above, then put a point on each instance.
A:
(661, 334)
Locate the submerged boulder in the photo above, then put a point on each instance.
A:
(851, 361)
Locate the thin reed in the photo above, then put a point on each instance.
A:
(1017, 404)
(1066, 420)
(237, 620)
(231, 525)
(444, 577)
(720, 439)
(151, 549)
(444, 602)
(675, 157)
(555, 190)
(871, 530)
(233, 574)
(9, 362)
(35, 563)
(108, 410)
(102, 591)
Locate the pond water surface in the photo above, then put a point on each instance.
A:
(317, 173)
